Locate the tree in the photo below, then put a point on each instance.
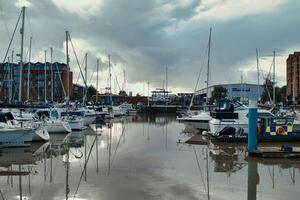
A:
(122, 93)
(91, 91)
(218, 92)
(267, 94)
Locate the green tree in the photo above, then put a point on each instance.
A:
(91, 91)
(218, 92)
(123, 93)
(267, 94)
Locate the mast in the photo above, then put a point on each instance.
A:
(97, 85)
(167, 84)
(85, 70)
(274, 55)
(51, 66)
(21, 55)
(242, 88)
(257, 66)
(110, 80)
(28, 70)
(45, 77)
(208, 63)
(11, 76)
(148, 83)
(68, 68)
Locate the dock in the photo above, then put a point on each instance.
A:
(276, 153)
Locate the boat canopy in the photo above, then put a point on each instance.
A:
(6, 116)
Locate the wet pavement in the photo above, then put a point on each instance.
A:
(142, 157)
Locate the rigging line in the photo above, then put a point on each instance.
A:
(113, 158)
(12, 37)
(9, 45)
(84, 81)
(116, 77)
(85, 165)
(95, 68)
(198, 164)
(64, 91)
(2, 196)
(198, 79)
(83, 60)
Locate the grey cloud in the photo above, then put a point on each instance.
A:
(143, 39)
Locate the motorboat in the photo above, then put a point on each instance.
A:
(231, 114)
(127, 109)
(200, 121)
(269, 129)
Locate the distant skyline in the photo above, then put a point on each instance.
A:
(144, 37)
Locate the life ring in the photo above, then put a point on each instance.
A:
(280, 130)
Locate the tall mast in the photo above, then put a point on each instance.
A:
(124, 76)
(51, 66)
(167, 83)
(85, 70)
(97, 84)
(28, 70)
(257, 67)
(11, 76)
(45, 77)
(242, 88)
(274, 78)
(208, 62)
(67, 62)
(110, 80)
(21, 55)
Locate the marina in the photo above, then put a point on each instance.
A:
(148, 100)
(140, 158)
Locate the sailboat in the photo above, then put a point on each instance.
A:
(200, 120)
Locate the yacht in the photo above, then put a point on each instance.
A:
(231, 114)
(12, 135)
(75, 119)
(52, 121)
(200, 121)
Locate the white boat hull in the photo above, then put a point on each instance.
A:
(15, 137)
(89, 119)
(76, 124)
(217, 125)
(40, 134)
(57, 127)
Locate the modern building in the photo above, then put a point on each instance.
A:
(39, 79)
(292, 77)
(240, 91)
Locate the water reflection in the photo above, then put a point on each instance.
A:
(139, 157)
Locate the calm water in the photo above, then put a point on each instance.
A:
(140, 158)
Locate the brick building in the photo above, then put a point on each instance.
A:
(292, 77)
(9, 79)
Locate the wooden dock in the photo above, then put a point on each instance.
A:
(276, 152)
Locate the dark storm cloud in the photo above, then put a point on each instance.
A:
(144, 37)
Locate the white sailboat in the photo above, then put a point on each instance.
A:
(201, 120)
(52, 121)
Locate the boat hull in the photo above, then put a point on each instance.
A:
(15, 138)
(57, 127)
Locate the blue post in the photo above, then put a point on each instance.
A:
(252, 124)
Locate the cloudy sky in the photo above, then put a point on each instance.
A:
(144, 37)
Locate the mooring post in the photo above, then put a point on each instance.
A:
(252, 132)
